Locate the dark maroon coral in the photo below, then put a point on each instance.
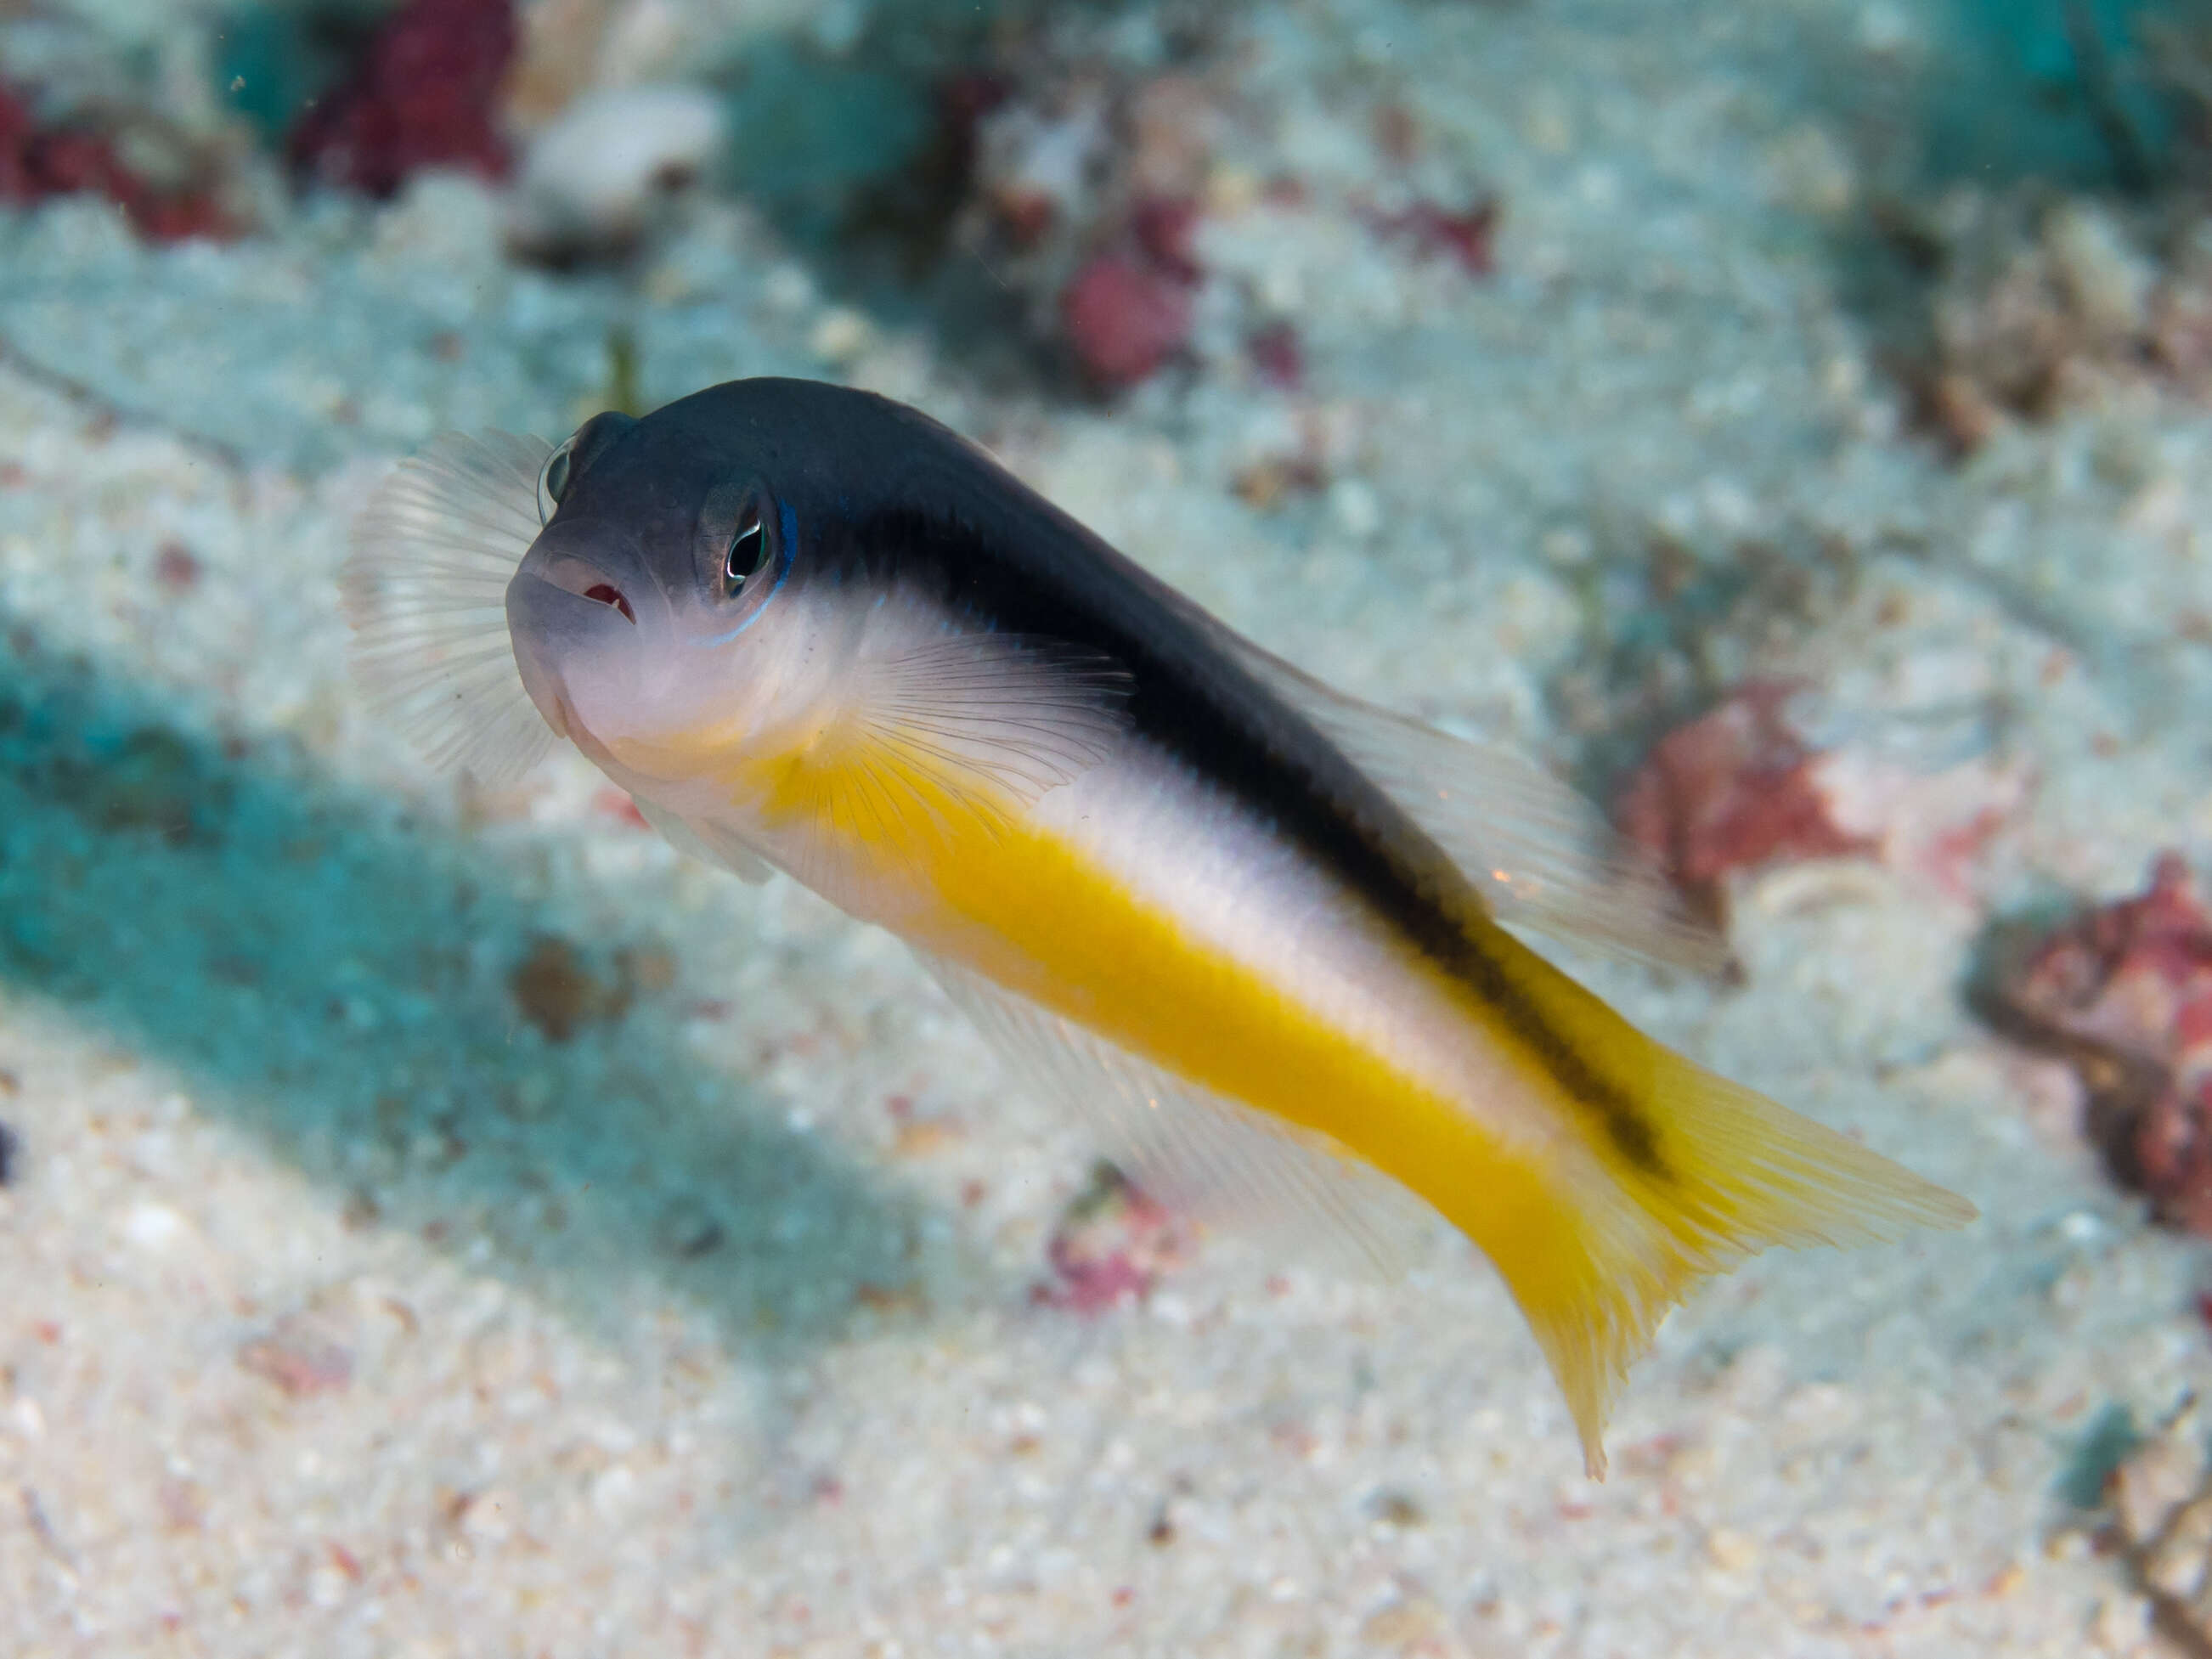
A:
(17, 180)
(1468, 234)
(1166, 230)
(424, 94)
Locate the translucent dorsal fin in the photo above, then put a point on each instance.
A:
(1542, 856)
(425, 588)
(1200, 1153)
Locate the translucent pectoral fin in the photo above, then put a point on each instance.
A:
(928, 754)
(1200, 1153)
(425, 589)
(1002, 712)
(1542, 856)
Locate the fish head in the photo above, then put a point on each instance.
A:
(655, 620)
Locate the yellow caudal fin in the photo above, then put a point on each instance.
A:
(1596, 1257)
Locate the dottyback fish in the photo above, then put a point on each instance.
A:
(1266, 935)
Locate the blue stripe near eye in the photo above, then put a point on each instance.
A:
(787, 550)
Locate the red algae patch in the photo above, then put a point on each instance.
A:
(1465, 235)
(1775, 773)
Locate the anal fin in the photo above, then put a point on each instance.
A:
(1200, 1153)
(708, 846)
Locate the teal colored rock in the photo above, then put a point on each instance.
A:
(271, 61)
(2066, 89)
(808, 135)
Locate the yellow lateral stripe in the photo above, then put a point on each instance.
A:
(1031, 912)
(1027, 910)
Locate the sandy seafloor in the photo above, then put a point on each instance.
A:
(677, 1338)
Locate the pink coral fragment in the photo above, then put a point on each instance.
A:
(2125, 991)
(298, 1360)
(1732, 790)
(1124, 317)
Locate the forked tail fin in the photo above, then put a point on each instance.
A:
(1596, 1254)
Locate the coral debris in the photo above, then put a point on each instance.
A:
(2124, 993)
(1088, 178)
(2034, 306)
(38, 162)
(1780, 772)
(1731, 790)
(1112, 1245)
(422, 95)
(2159, 1503)
(597, 177)
(559, 994)
(299, 1359)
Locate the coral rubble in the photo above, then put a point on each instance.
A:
(2124, 992)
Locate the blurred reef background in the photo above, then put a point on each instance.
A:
(441, 1221)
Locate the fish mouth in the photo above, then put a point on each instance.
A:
(586, 580)
(573, 608)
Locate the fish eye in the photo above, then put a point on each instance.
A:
(742, 547)
(748, 554)
(576, 457)
(553, 478)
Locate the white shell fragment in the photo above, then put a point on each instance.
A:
(597, 177)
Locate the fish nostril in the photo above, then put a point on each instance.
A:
(608, 593)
